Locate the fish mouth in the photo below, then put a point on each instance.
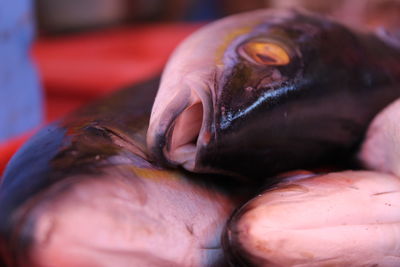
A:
(183, 129)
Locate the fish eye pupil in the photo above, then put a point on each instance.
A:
(266, 59)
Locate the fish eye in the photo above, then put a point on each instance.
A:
(264, 52)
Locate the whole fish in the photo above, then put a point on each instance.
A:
(270, 90)
(82, 192)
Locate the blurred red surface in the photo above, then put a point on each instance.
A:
(75, 69)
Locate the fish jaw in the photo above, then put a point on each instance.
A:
(184, 126)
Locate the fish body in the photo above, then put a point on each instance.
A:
(270, 89)
(82, 192)
(338, 219)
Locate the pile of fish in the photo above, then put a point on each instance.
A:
(206, 166)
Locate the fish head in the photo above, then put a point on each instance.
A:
(222, 83)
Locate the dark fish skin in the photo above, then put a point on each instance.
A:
(108, 135)
(313, 110)
(335, 85)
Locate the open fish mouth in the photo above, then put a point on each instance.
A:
(177, 136)
(183, 134)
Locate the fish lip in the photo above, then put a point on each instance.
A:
(161, 130)
(157, 142)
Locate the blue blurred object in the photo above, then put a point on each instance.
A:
(204, 10)
(20, 92)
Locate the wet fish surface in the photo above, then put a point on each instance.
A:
(248, 96)
(82, 192)
(281, 89)
(344, 218)
(347, 218)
